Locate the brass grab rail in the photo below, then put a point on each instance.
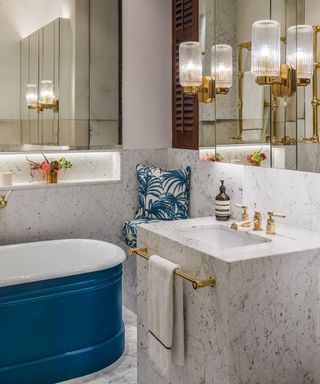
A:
(211, 282)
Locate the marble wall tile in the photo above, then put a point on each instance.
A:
(205, 181)
(296, 194)
(82, 211)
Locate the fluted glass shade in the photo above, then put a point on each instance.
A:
(190, 64)
(32, 94)
(221, 65)
(265, 53)
(46, 92)
(300, 50)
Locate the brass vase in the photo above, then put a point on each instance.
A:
(52, 177)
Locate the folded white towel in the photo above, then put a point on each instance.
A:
(165, 314)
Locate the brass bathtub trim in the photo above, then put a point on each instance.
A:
(196, 283)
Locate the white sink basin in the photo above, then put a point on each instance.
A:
(221, 236)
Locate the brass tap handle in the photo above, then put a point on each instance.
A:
(257, 221)
(4, 199)
(244, 215)
(271, 225)
(3, 202)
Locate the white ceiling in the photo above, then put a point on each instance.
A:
(26, 16)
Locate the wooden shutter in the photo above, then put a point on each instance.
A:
(185, 107)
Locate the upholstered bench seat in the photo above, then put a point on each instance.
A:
(129, 231)
(163, 195)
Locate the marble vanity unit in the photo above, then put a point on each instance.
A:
(260, 324)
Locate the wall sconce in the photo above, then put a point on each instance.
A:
(47, 98)
(300, 52)
(32, 96)
(221, 67)
(266, 64)
(190, 71)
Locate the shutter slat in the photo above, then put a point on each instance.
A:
(185, 107)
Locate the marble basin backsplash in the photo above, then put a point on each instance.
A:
(296, 194)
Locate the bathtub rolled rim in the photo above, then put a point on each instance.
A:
(118, 257)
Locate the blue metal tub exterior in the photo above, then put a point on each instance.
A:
(60, 328)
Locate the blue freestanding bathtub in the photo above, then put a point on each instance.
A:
(60, 310)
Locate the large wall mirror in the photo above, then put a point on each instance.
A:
(258, 110)
(60, 74)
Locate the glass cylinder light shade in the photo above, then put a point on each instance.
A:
(265, 52)
(32, 94)
(190, 64)
(46, 92)
(300, 50)
(221, 65)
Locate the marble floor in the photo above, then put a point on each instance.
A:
(124, 371)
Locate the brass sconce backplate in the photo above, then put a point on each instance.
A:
(284, 85)
(205, 92)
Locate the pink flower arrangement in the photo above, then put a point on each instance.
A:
(216, 157)
(47, 166)
(256, 158)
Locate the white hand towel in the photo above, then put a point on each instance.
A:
(165, 314)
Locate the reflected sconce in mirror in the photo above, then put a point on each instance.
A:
(266, 64)
(47, 98)
(221, 67)
(300, 52)
(190, 71)
(32, 96)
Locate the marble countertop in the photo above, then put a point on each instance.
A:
(288, 239)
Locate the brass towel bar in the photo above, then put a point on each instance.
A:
(211, 282)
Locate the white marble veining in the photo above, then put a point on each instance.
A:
(258, 325)
(96, 210)
(80, 211)
(296, 194)
(123, 371)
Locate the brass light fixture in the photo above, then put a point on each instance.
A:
(190, 71)
(266, 64)
(47, 98)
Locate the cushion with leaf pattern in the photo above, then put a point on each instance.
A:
(163, 194)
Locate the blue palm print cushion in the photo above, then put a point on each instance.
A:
(163, 194)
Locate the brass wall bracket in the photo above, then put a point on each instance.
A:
(40, 107)
(205, 92)
(284, 85)
(196, 283)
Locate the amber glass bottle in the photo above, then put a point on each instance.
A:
(222, 204)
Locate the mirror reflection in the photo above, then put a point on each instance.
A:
(268, 113)
(61, 74)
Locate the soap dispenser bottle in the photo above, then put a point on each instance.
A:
(222, 204)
